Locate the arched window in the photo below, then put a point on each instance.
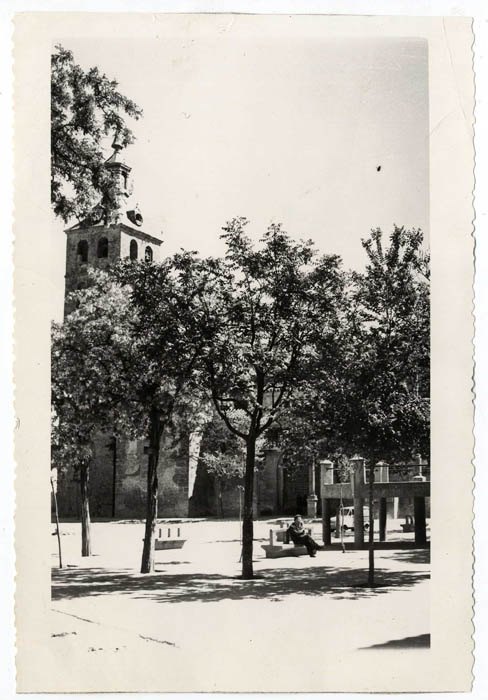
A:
(102, 249)
(148, 254)
(133, 250)
(82, 251)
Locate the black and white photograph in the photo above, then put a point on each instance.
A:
(240, 390)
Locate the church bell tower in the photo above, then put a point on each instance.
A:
(110, 232)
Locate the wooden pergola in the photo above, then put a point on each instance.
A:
(357, 490)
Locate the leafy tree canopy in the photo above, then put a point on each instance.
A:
(261, 317)
(86, 107)
(369, 394)
(389, 350)
(88, 371)
(266, 307)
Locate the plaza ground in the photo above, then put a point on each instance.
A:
(194, 624)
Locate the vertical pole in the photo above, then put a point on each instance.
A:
(311, 477)
(337, 531)
(357, 488)
(396, 501)
(57, 522)
(312, 497)
(156, 429)
(419, 463)
(240, 519)
(358, 522)
(255, 499)
(85, 511)
(280, 487)
(326, 474)
(342, 523)
(371, 524)
(383, 516)
(420, 524)
(326, 520)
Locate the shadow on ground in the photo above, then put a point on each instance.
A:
(421, 641)
(276, 584)
(414, 556)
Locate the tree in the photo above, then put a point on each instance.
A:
(164, 360)
(388, 353)
(381, 406)
(368, 393)
(303, 429)
(85, 108)
(87, 380)
(391, 369)
(260, 316)
(128, 356)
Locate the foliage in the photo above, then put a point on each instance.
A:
(129, 346)
(128, 356)
(369, 391)
(388, 351)
(88, 375)
(221, 452)
(266, 306)
(166, 342)
(87, 380)
(85, 108)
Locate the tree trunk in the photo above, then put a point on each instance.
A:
(114, 474)
(85, 512)
(247, 520)
(371, 526)
(155, 431)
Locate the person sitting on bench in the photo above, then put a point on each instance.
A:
(299, 536)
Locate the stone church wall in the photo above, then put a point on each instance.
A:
(130, 481)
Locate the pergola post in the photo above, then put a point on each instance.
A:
(383, 516)
(312, 496)
(337, 531)
(357, 482)
(419, 517)
(326, 513)
(326, 479)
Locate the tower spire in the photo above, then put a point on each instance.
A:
(115, 203)
(117, 142)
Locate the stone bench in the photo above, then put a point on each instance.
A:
(280, 547)
(408, 525)
(167, 538)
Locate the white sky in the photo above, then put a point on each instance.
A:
(273, 129)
